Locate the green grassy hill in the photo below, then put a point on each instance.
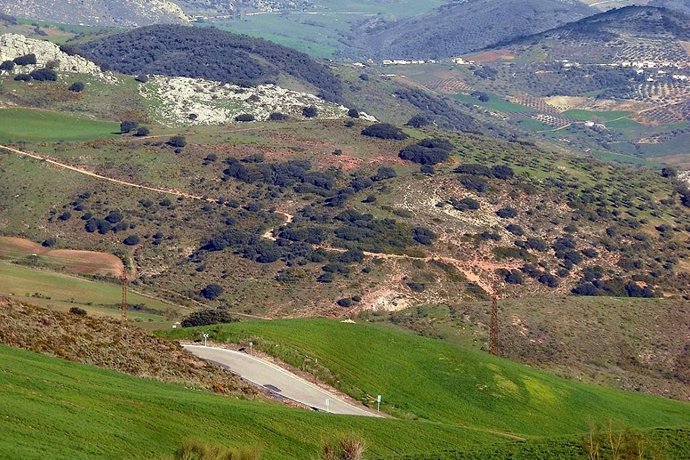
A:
(428, 379)
(51, 408)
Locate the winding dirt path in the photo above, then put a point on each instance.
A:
(86, 172)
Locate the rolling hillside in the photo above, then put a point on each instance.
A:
(121, 13)
(432, 380)
(462, 27)
(50, 407)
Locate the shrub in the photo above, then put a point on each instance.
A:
(585, 289)
(91, 225)
(514, 277)
(44, 75)
(346, 303)
(353, 113)
(548, 279)
(141, 78)
(211, 291)
(416, 287)
(465, 204)
(326, 278)
(351, 256)
(77, 311)
(132, 240)
(114, 217)
(277, 116)
(49, 243)
(502, 172)
(7, 65)
(27, 59)
(474, 169)
(427, 169)
(76, 87)
(208, 317)
(590, 253)
(384, 131)
(427, 151)
(142, 131)
(507, 213)
(65, 216)
(310, 111)
(537, 244)
(245, 117)
(22, 77)
(418, 121)
(192, 449)
(383, 173)
(475, 184)
(350, 447)
(423, 235)
(177, 141)
(128, 125)
(515, 230)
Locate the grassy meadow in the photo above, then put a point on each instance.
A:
(51, 408)
(434, 380)
(39, 125)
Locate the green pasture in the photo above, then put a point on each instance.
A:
(51, 408)
(433, 380)
(17, 125)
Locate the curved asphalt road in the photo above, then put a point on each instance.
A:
(278, 380)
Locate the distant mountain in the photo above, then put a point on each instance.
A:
(461, 27)
(679, 5)
(211, 54)
(620, 30)
(635, 53)
(125, 13)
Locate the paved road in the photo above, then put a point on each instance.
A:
(278, 380)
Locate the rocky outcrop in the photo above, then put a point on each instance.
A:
(47, 53)
(189, 101)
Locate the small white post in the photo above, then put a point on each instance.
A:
(251, 347)
(328, 405)
(378, 403)
(205, 335)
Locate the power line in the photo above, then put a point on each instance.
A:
(493, 329)
(123, 305)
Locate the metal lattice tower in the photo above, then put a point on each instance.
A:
(123, 305)
(493, 329)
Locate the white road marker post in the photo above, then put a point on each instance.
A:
(328, 405)
(251, 347)
(378, 403)
(205, 335)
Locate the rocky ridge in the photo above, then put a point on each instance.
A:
(47, 54)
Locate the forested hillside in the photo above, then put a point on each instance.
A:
(210, 54)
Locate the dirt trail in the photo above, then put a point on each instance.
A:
(470, 268)
(98, 176)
